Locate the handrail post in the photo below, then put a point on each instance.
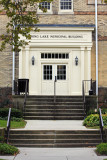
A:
(55, 80)
(8, 125)
(25, 96)
(83, 92)
(101, 125)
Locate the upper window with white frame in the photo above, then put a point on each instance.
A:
(45, 5)
(66, 6)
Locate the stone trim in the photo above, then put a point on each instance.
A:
(75, 13)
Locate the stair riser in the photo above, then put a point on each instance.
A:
(52, 97)
(53, 118)
(54, 137)
(53, 114)
(53, 107)
(53, 141)
(57, 145)
(52, 100)
(56, 132)
(54, 110)
(51, 103)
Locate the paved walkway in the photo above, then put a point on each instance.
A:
(56, 154)
(54, 125)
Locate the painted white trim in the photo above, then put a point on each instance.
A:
(65, 29)
(20, 64)
(82, 65)
(27, 62)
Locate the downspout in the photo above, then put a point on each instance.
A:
(13, 72)
(13, 67)
(96, 29)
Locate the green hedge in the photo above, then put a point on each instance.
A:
(102, 149)
(8, 149)
(15, 113)
(93, 120)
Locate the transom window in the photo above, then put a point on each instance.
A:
(45, 5)
(55, 55)
(47, 72)
(61, 72)
(65, 4)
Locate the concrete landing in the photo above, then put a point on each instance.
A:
(54, 125)
(55, 154)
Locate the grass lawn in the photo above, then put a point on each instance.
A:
(14, 124)
(95, 127)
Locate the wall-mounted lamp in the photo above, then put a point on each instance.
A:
(76, 60)
(33, 60)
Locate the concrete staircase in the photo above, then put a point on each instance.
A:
(44, 108)
(55, 138)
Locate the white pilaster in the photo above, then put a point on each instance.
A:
(27, 62)
(20, 65)
(89, 63)
(82, 64)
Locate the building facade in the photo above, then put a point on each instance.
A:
(63, 51)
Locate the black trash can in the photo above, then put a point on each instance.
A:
(22, 86)
(90, 92)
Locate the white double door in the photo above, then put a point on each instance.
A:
(49, 85)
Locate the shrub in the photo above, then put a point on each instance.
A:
(93, 120)
(15, 113)
(92, 111)
(102, 149)
(8, 149)
(12, 119)
(1, 139)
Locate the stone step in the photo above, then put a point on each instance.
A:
(52, 103)
(75, 132)
(45, 106)
(53, 113)
(53, 136)
(52, 97)
(54, 110)
(58, 145)
(53, 117)
(52, 141)
(52, 100)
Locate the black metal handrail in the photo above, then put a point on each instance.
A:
(89, 88)
(101, 125)
(8, 125)
(25, 97)
(55, 80)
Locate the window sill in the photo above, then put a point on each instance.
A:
(45, 13)
(65, 12)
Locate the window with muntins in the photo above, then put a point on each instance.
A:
(47, 72)
(65, 4)
(54, 55)
(61, 72)
(45, 5)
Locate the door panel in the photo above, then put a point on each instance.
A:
(49, 71)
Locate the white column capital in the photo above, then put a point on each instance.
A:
(82, 48)
(88, 48)
(27, 48)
